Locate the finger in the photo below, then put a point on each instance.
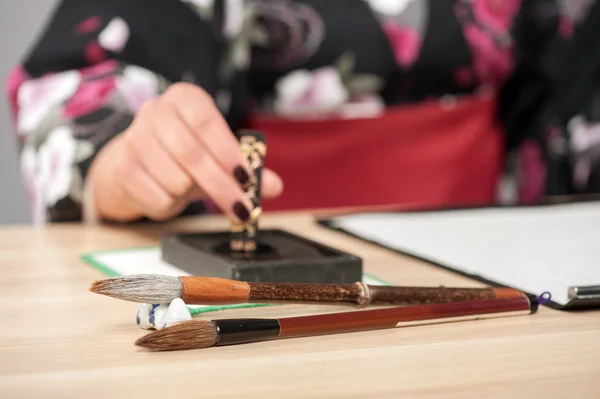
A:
(192, 155)
(272, 185)
(159, 163)
(195, 194)
(198, 111)
(151, 199)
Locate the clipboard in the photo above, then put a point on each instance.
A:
(452, 238)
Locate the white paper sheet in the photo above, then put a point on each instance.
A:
(534, 249)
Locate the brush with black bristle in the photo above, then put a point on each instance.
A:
(199, 334)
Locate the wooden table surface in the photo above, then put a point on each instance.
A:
(57, 340)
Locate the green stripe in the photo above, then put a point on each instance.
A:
(90, 258)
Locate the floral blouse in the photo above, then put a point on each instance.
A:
(96, 62)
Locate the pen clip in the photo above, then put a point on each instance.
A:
(544, 298)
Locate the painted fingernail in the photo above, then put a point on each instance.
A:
(241, 175)
(241, 211)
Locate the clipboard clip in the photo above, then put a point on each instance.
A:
(584, 292)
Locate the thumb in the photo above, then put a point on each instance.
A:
(272, 184)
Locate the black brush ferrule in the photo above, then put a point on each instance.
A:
(533, 303)
(239, 331)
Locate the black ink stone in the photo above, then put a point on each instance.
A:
(280, 257)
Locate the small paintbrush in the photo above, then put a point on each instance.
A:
(197, 334)
(196, 290)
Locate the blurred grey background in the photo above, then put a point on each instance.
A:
(21, 20)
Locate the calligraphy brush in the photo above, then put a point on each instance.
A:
(195, 290)
(197, 334)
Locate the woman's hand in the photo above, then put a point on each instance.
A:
(177, 150)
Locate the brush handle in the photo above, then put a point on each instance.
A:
(217, 291)
(403, 316)
(239, 331)
(362, 295)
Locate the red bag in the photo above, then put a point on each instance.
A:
(422, 155)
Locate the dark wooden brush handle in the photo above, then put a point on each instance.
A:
(363, 295)
(197, 290)
(398, 316)
(354, 294)
(382, 295)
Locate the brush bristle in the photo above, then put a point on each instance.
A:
(194, 334)
(143, 288)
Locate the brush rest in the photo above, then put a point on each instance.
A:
(280, 257)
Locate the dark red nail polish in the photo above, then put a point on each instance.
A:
(241, 175)
(241, 211)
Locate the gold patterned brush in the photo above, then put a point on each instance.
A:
(244, 235)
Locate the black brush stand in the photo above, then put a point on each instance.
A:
(280, 257)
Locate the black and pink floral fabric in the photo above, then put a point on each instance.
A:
(96, 62)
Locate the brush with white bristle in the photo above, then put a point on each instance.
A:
(196, 290)
(142, 288)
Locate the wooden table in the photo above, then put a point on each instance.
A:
(57, 340)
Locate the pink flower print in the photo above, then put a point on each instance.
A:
(463, 75)
(584, 147)
(94, 53)
(28, 170)
(571, 13)
(90, 96)
(304, 93)
(97, 84)
(487, 38)
(365, 106)
(491, 63)
(327, 88)
(405, 42)
(37, 97)
(581, 173)
(103, 68)
(233, 18)
(55, 160)
(115, 36)
(390, 7)
(137, 85)
(566, 27)
(584, 136)
(531, 173)
(13, 83)
(496, 14)
(201, 3)
(88, 25)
